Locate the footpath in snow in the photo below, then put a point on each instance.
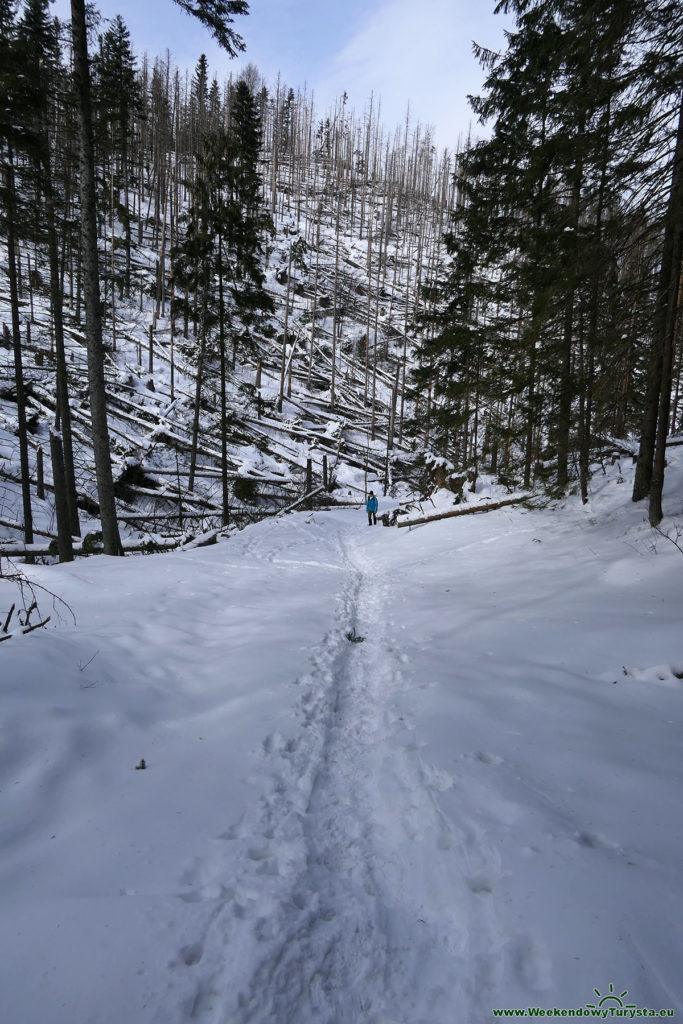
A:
(393, 776)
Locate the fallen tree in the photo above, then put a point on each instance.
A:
(465, 511)
(150, 545)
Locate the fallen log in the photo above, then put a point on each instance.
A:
(19, 527)
(300, 501)
(149, 544)
(466, 511)
(22, 550)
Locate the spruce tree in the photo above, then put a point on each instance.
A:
(117, 101)
(220, 260)
(550, 209)
(218, 16)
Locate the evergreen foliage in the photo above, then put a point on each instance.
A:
(545, 316)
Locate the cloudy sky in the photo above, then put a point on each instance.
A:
(417, 51)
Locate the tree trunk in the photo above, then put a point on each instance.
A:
(334, 312)
(16, 340)
(64, 542)
(666, 320)
(565, 404)
(198, 394)
(531, 409)
(283, 366)
(225, 518)
(57, 300)
(91, 288)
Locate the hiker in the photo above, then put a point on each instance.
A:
(371, 509)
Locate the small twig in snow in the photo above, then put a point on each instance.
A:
(82, 668)
(667, 536)
(9, 616)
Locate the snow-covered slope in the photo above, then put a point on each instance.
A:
(364, 293)
(393, 776)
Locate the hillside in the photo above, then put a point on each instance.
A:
(473, 806)
(325, 378)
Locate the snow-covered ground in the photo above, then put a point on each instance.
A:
(393, 776)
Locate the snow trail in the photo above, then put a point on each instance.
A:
(473, 806)
(346, 894)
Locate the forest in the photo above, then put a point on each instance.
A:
(219, 302)
(287, 768)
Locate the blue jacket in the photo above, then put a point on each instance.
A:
(371, 505)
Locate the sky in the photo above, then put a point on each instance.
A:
(399, 50)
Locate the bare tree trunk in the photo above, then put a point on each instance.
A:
(174, 215)
(225, 519)
(16, 340)
(64, 543)
(91, 288)
(198, 396)
(284, 340)
(334, 312)
(531, 409)
(113, 253)
(646, 453)
(565, 361)
(315, 302)
(62, 382)
(666, 320)
(678, 345)
(366, 386)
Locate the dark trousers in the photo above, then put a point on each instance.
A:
(372, 518)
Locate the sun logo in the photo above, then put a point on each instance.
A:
(611, 998)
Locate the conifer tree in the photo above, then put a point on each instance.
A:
(199, 101)
(117, 100)
(550, 207)
(218, 17)
(223, 247)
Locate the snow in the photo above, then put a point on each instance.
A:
(477, 806)
(150, 414)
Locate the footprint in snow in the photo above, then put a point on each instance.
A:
(487, 758)
(533, 963)
(595, 841)
(191, 955)
(205, 1005)
(483, 881)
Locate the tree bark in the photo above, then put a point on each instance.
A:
(666, 320)
(225, 504)
(16, 340)
(91, 288)
(198, 393)
(56, 297)
(565, 403)
(64, 542)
